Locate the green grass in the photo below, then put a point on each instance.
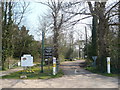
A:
(109, 75)
(34, 73)
(94, 70)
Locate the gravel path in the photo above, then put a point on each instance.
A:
(75, 77)
(2, 73)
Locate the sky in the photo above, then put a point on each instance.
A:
(31, 21)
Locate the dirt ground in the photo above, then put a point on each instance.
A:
(75, 77)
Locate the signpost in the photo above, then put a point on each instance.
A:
(42, 51)
(108, 64)
(48, 54)
(94, 58)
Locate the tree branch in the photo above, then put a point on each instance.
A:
(75, 22)
(112, 8)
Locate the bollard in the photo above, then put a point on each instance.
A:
(19, 64)
(108, 64)
(54, 66)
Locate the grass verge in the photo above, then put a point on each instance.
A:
(34, 73)
(94, 70)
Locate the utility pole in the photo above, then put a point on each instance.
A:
(42, 51)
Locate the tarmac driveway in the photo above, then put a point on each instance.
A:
(75, 77)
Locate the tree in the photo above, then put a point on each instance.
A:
(20, 9)
(119, 39)
(102, 15)
(57, 22)
(1, 34)
(93, 10)
(57, 19)
(8, 30)
(103, 30)
(6, 26)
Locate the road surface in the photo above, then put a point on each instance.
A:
(75, 77)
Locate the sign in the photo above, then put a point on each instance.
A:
(46, 57)
(26, 60)
(48, 52)
(85, 56)
(94, 57)
(48, 48)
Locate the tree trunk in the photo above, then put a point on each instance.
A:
(102, 44)
(56, 45)
(94, 36)
(119, 41)
(4, 30)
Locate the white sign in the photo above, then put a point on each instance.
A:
(26, 60)
(54, 66)
(85, 56)
(108, 64)
(94, 57)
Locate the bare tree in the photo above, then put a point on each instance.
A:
(19, 10)
(58, 19)
(44, 24)
(103, 16)
(101, 21)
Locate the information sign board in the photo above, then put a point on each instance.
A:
(26, 60)
(48, 52)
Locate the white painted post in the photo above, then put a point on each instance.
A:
(54, 66)
(19, 64)
(108, 64)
